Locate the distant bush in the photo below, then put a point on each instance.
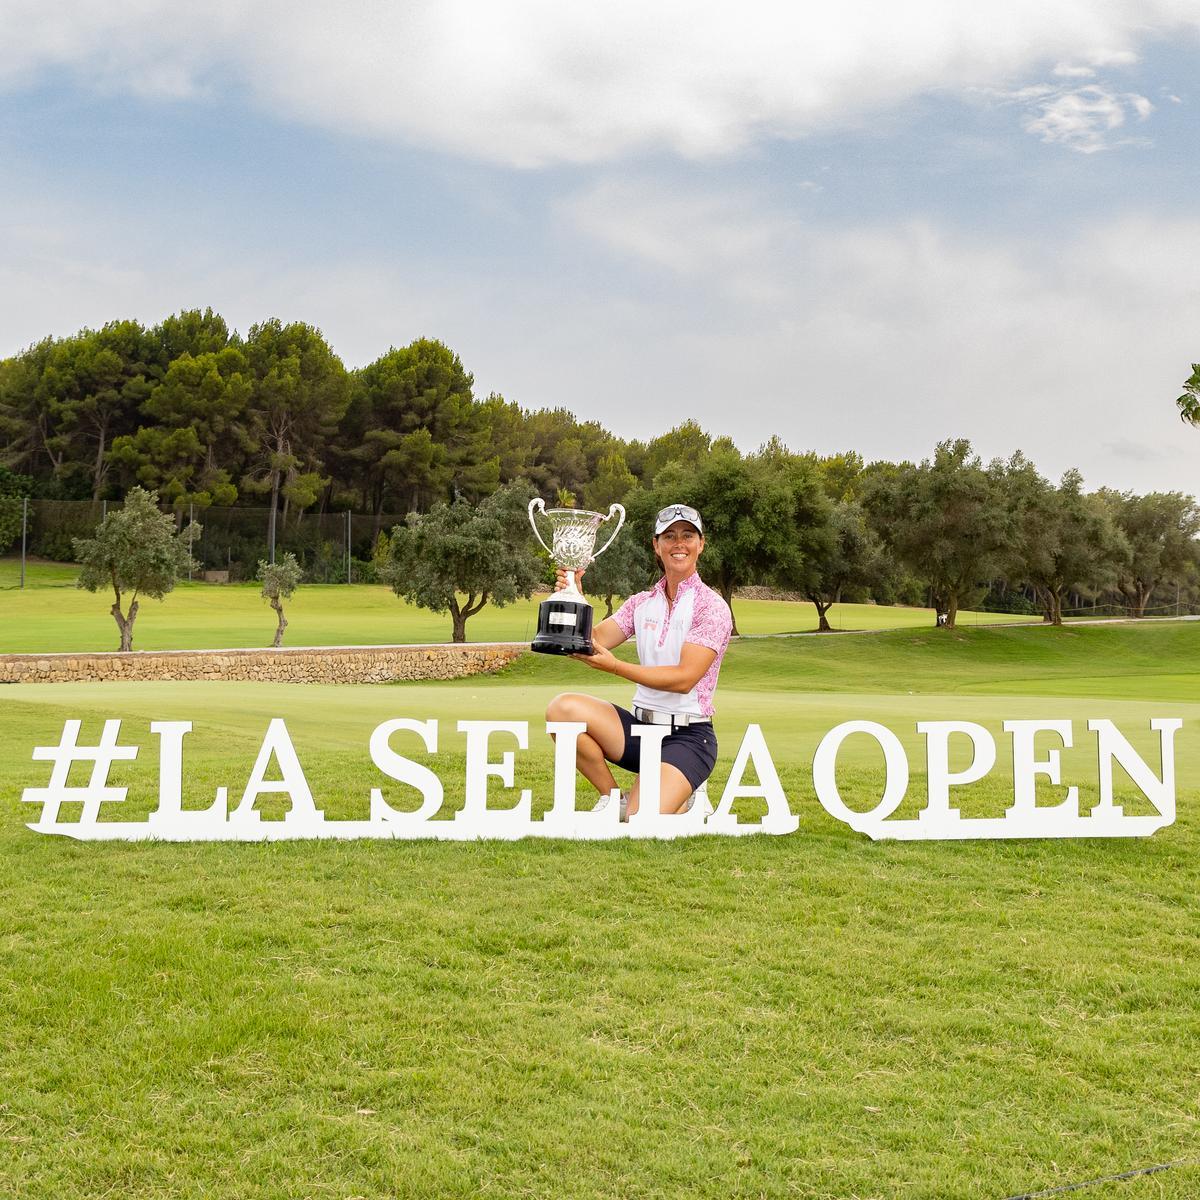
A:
(1003, 599)
(364, 570)
(55, 544)
(10, 521)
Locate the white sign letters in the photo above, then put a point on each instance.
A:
(492, 749)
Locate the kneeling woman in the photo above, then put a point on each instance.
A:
(682, 629)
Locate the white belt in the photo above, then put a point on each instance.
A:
(648, 716)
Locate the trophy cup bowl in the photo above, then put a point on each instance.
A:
(565, 620)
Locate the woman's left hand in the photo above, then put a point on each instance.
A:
(602, 660)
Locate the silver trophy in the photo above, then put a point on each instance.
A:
(565, 620)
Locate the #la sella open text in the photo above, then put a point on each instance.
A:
(753, 776)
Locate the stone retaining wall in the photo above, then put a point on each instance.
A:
(332, 664)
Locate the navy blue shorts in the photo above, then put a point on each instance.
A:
(691, 749)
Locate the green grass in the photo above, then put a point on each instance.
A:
(50, 614)
(816, 1015)
(39, 573)
(1103, 660)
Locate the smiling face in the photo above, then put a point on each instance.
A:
(679, 547)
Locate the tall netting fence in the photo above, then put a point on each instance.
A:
(51, 525)
(332, 547)
(233, 541)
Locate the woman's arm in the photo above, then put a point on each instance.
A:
(693, 662)
(608, 634)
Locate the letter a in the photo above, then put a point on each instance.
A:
(277, 744)
(779, 816)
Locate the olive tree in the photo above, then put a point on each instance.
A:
(748, 508)
(945, 521)
(279, 580)
(850, 559)
(1064, 540)
(137, 552)
(458, 557)
(1161, 529)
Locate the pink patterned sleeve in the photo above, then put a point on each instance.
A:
(712, 622)
(624, 615)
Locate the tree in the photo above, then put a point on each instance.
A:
(565, 452)
(1064, 540)
(945, 520)
(279, 580)
(1189, 402)
(806, 540)
(610, 484)
(301, 391)
(1161, 529)
(29, 431)
(198, 410)
(510, 437)
(840, 474)
(122, 379)
(136, 552)
(89, 391)
(190, 332)
(688, 444)
(850, 558)
(417, 429)
(748, 513)
(460, 556)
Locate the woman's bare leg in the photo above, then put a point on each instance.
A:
(673, 790)
(605, 737)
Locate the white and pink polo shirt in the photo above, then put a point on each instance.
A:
(699, 616)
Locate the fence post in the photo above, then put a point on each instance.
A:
(348, 519)
(191, 539)
(271, 533)
(24, 528)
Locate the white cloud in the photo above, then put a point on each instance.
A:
(691, 234)
(1086, 69)
(1113, 58)
(530, 82)
(1085, 119)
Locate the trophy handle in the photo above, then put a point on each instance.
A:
(538, 504)
(615, 508)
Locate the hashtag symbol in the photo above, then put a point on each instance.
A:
(69, 751)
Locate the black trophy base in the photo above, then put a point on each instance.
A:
(564, 627)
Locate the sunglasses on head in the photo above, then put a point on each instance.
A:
(679, 512)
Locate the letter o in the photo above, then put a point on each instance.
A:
(825, 774)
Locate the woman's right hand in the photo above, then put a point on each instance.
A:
(561, 579)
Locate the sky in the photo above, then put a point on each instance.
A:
(867, 226)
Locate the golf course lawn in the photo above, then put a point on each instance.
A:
(814, 1015)
(51, 614)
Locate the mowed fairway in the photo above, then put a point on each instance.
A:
(51, 614)
(816, 1015)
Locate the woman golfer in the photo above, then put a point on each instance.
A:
(682, 629)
